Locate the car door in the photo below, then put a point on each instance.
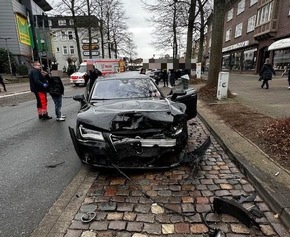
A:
(189, 98)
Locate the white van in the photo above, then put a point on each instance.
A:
(106, 66)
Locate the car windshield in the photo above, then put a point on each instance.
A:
(82, 68)
(124, 89)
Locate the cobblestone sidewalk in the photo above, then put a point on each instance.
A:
(171, 202)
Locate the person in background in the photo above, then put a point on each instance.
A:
(2, 83)
(56, 90)
(172, 77)
(165, 78)
(93, 75)
(143, 71)
(38, 85)
(266, 73)
(287, 70)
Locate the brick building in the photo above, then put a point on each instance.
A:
(250, 26)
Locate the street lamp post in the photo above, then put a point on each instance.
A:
(9, 61)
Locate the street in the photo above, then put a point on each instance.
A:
(28, 187)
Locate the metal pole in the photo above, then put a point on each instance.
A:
(9, 61)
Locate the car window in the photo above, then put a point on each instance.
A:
(125, 88)
(82, 68)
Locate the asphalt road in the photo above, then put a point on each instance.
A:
(273, 102)
(28, 187)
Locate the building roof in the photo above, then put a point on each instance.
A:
(43, 5)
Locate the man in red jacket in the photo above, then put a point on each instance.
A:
(38, 86)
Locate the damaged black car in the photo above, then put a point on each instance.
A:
(126, 121)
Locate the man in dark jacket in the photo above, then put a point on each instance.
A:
(38, 85)
(2, 83)
(56, 90)
(93, 75)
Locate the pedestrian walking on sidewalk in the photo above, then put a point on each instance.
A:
(287, 70)
(38, 85)
(266, 73)
(2, 83)
(56, 91)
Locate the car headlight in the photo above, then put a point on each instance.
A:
(90, 134)
(178, 131)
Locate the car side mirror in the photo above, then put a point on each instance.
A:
(79, 98)
(177, 93)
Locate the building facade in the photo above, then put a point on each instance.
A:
(250, 26)
(64, 40)
(24, 26)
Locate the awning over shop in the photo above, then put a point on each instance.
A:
(280, 44)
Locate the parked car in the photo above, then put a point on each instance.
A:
(126, 121)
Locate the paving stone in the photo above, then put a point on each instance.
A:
(117, 225)
(267, 230)
(115, 216)
(129, 216)
(167, 229)
(152, 228)
(156, 209)
(240, 229)
(99, 225)
(134, 226)
(88, 234)
(198, 228)
(73, 233)
(187, 199)
(139, 235)
(107, 206)
(142, 208)
(281, 229)
(125, 207)
(78, 225)
(182, 228)
(149, 218)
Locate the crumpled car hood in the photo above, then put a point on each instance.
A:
(105, 115)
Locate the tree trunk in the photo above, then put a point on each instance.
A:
(76, 33)
(89, 29)
(191, 19)
(217, 42)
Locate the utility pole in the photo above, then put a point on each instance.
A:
(9, 61)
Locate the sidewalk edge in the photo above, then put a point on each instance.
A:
(277, 203)
(61, 214)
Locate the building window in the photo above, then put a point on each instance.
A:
(251, 23)
(71, 22)
(64, 50)
(70, 35)
(289, 12)
(228, 34)
(241, 7)
(63, 36)
(57, 49)
(61, 22)
(265, 14)
(252, 2)
(49, 22)
(230, 14)
(239, 30)
(72, 49)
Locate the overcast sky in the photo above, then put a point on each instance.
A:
(138, 26)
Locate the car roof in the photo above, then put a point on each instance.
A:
(125, 75)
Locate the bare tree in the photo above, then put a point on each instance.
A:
(168, 24)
